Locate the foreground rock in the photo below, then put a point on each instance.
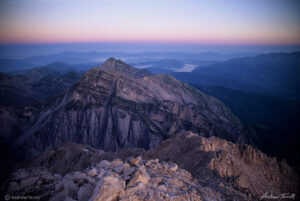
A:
(219, 163)
(149, 180)
(184, 167)
(74, 157)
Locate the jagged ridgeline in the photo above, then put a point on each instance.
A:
(116, 106)
(184, 167)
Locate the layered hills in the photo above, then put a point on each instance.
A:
(275, 74)
(36, 85)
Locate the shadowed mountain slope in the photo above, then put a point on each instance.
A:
(276, 74)
(36, 85)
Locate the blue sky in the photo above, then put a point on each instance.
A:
(189, 22)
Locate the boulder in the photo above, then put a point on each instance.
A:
(135, 161)
(116, 163)
(108, 189)
(103, 164)
(128, 171)
(141, 176)
(173, 166)
(92, 172)
(47, 178)
(118, 169)
(80, 177)
(67, 185)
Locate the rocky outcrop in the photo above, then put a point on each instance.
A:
(184, 167)
(74, 157)
(147, 180)
(217, 162)
(116, 106)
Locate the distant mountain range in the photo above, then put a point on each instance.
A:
(82, 61)
(36, 84)
(276, 74)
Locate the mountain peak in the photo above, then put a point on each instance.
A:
(119, 65)
(115, 63)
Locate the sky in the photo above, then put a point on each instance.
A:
(175, 22)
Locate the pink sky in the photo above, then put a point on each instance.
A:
(184, 22)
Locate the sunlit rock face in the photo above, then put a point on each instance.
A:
(184, 167)
(94, 178)
(226, 165)
(117, 106)
(118, 179)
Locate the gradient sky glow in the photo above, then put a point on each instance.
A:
(257, 22)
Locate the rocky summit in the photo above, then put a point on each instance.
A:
(133, 179)
(227, 167)
(116, 106)
(184, 167)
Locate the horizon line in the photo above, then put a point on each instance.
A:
(179, 43)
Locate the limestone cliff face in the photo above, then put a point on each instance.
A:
(117, 106)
